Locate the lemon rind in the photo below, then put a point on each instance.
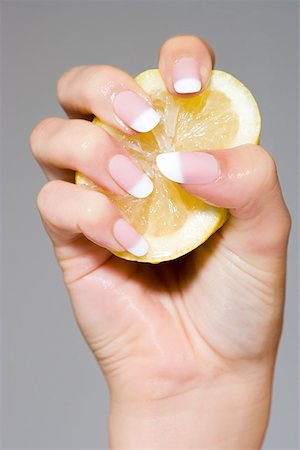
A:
(164, 255)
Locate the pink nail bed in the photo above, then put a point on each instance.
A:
(189, 167)
(129, 238)
(135, 112)
(129, 176)
(186, 76)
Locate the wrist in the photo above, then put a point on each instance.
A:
(232, 414)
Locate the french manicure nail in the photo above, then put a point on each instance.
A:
(129, 238)
(129, 176)
(188, 167)
(135, 112)
(186, 76)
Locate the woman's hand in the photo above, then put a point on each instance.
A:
(188, 347)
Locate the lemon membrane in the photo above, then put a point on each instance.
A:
(172, 221)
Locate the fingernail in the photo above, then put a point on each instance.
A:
(135, 112)
(186, 76)
(188, 167)
(129, 238)
(129, 176)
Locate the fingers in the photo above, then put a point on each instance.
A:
(243, 179)
(68, 210)
(108, 93)
(112, 95)
(60, 145)
(185, 63)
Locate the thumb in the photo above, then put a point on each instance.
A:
(244, 180)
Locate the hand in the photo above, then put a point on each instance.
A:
(188, 347)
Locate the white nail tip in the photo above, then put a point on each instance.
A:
(169, 165)
(146, 121)
(187, 85)
(142, 188)
(140, 248)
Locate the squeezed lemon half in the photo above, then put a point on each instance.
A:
(172, 221)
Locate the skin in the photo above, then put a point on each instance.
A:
(187, 347)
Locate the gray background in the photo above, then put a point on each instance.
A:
(53, 394)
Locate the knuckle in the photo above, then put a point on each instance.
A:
(38, 133)
(48, 200)
(99, 79)
(61, 83)
(45, 195)
(193, 39)
(268, 167)
(64, 79)
(188, 39)
(165, 45)
(179, 44)
(170, 45)
(286, 222)
(269, 184)
(89, 80)
(100, 71)
(264, 165)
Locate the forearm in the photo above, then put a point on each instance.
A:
(207, 418)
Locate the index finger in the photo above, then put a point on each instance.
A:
(109, 94)
(185, 63)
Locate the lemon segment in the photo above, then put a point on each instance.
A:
(172, 221)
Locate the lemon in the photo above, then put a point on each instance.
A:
(172, 221)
